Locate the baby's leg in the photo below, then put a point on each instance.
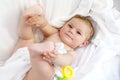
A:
(39, 48)
(41, 70)
(26, 31)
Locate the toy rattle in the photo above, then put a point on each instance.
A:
(67, 73)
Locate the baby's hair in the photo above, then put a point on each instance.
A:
(86, 20)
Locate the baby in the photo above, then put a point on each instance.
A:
(44, 56)
(75, 33)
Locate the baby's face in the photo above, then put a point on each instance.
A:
(74, 33)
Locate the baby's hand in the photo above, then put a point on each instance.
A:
(36, 20)
(50, 56)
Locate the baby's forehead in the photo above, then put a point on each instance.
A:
(79, 22)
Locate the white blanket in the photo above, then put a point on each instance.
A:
(16, 66)
(93, 59)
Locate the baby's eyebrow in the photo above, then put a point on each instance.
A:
(72, 24)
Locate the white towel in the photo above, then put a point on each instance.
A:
(16, 66)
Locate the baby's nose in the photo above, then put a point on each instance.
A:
(72, 30)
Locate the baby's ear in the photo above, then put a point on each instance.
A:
(85, 43)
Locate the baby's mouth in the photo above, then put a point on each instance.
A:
(68, 36)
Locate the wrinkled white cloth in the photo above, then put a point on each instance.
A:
(16, 66)
(60, 48)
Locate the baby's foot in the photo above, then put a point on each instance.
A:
(40, 48)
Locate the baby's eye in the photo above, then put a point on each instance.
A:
(69, 26)
(78, 33)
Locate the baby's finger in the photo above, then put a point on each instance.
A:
(46, 55)
(46, 59)
(55, 51)
(28, 22)
(51, 54)
(31, 22)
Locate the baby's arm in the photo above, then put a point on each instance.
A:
(65, 59)
(40, 22)
(25, 32)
